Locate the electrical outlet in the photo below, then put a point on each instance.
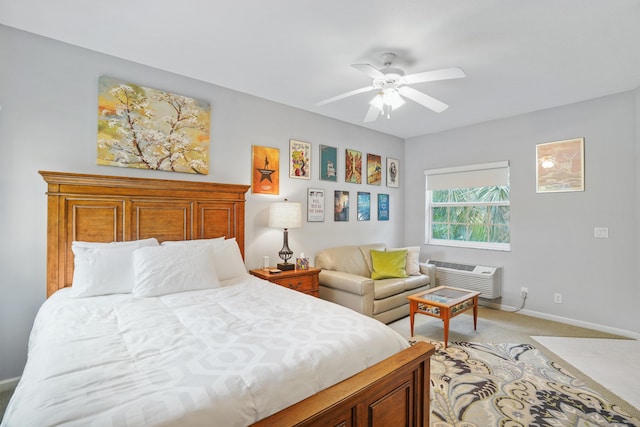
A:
(524, 292)
(557, 298)
(602, 232)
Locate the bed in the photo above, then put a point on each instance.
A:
(242, 352)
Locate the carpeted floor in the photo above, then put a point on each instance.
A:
(5, 395)
(610, 362)
(495, 326)
(485, 384)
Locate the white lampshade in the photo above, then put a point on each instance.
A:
(285, 215)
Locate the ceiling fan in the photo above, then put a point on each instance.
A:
(392, 84)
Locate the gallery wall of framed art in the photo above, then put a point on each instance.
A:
(332, 165)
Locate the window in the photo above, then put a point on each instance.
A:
(469, 206)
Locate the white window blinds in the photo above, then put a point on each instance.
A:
(482, 175)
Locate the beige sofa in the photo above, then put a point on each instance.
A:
(346, 280)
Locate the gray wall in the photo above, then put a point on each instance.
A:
(48, 121)
(553, 249)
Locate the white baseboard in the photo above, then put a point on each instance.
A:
(568, 321)
(8, 384)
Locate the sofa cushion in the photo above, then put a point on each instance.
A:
(352, 283)
(413, 259)
(388, 264)
(384, 288)
(413, 282)
(382, 305)
(348, 259)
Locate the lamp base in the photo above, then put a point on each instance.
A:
(286, 266)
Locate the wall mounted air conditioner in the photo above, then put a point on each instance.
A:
(480, 278)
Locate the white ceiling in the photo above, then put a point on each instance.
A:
(519, 55)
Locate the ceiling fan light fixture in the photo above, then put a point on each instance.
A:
(378, 101)
(393, 86)
(393, 99)
(390, 98)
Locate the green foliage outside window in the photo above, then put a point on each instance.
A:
(471, 214)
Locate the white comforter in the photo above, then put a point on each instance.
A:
(227, 357)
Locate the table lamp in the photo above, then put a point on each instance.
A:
(285, 215)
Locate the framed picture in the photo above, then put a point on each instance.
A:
(383, 207)
(341, 202)
(374, 169)
(265, 176)
(145, 128)
(299, 159)
(353, 166)
(328, 163)
(364, 206)
(560, 166)
(315, 205)
(393, 172)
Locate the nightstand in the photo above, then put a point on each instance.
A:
(305, 281)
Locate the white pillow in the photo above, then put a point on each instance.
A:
(104, 268)
(228, 260)
(413, 259)
(218, 241)
(226, 255)
(137, 243)
(169, 269)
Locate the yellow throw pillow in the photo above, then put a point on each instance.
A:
(388, 264)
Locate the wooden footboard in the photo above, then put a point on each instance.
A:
(394, 392)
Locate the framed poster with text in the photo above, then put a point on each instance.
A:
(374, 169)
(393, 172)
(364, 206)
(328, 163)
(341, 206)
(353, 166)
(315, 205)
(383, 207)
(265, 176)
(299, 159)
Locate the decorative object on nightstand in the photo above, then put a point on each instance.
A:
(285, 215)
(302, 263)
(305, 281)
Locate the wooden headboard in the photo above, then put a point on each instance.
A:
(97, 208)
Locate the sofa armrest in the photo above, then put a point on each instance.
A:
(429, 270)
(346, 282)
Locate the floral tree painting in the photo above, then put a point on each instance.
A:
(145, 128)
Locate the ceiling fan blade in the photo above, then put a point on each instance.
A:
(369, 70)
(423, 99)
(372, 114)
(431, 76)
(345, 95)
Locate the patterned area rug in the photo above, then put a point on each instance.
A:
(509, 385)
